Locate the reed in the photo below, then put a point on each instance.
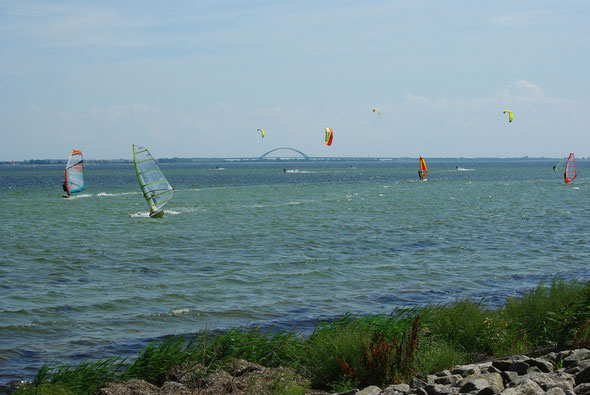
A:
(354, 351)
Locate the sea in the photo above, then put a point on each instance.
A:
(271, 244)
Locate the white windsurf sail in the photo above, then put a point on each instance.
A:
(156, 189)
(74, 181)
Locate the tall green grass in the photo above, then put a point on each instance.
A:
(354, 351)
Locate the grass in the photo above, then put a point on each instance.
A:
(354, 351)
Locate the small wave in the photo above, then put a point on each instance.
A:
(116, 194)
(179, 311)
(576, 188)
(83, 195)
(463, 169)
(140, 215)
(300, 171)
(173, 212)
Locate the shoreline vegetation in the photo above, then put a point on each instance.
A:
(348, 352)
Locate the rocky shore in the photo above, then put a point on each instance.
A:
(564, 372)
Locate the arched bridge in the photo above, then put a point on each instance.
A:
(285, 148)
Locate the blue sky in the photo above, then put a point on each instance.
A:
(198, 78)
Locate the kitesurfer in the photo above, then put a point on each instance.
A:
(65, 187)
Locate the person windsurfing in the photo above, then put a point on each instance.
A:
(65, 187)
(420, 174)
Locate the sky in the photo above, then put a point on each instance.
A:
(198, 78)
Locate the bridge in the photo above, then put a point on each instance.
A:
(284, 148)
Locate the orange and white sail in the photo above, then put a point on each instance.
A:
(74, 173)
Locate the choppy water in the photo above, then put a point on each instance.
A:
(251, 244)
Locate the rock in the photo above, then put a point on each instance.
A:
(525, 387)
(448, 380)
(519, 367)
(466, 370)
(371, 390)
(502, 365)
(543, 380)
(574, 357)
(351, 392)
(438, 389)
(430, 379)
(508, 377)
(474, 385)
(492, 380)
(542, 365)
(583, 388)
(583, 376)
(533, 369)
(418, 383)
(396, 388)
(555, 391)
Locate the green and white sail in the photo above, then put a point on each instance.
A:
(156, 189)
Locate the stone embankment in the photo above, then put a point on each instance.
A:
(565, 372)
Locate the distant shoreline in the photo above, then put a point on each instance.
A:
(285, 159)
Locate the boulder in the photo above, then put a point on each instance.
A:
(371, 390)
(396, 389)
(525, 387)
(474, 383)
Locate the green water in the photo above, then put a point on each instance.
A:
(271, 244)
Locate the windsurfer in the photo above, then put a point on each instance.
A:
(65, 187)
(420, 174)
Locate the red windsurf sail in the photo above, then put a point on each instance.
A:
(570, 169)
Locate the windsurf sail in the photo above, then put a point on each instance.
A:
(423, 168)
(74, 182)
(570, 169)
(559, 165)
(510, 115)
(156, 189)
(329, 136)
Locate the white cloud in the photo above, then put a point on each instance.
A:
(520, 19)
(416, 99)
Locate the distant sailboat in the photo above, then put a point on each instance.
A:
(423, 170)
(156, 189)
(570, 169)
(559, 165)
(74, 179)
